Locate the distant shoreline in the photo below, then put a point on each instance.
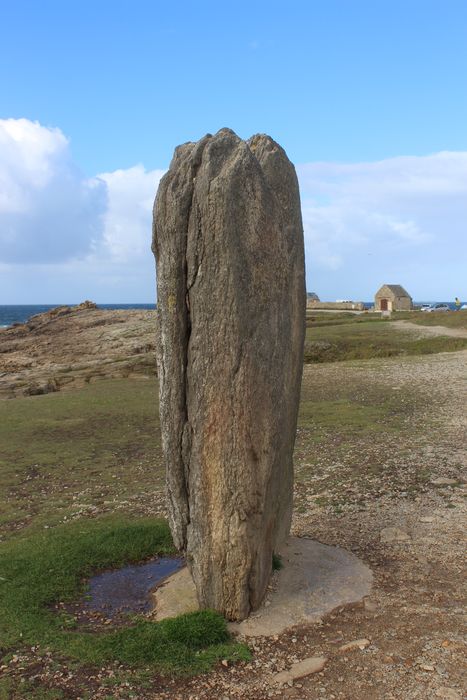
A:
(20, 313)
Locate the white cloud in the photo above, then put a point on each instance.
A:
(49, 212)
(400, 220)
(127, 226)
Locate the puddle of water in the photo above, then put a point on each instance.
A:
(127, 590)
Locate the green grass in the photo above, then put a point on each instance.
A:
(317, 320)
(47, 568)
(352, 409)
(27, 691)
(59, 452)
(363, 339)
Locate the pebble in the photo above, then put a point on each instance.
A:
(393, 534)
(443, 481)
(427, 519)
(312, 664)
(355, 644)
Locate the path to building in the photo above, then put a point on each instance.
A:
(431, 330)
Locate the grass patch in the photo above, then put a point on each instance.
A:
(27, 691)
(448, 319)
(314, 320)
(342, 414)
(86, 446)
(41, 570)
(355, 438)
(363, 339)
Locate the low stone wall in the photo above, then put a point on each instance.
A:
(336, 305)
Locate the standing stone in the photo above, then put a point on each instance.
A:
(228, 242)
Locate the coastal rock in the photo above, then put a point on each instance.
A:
(228, 242)
(71, 346)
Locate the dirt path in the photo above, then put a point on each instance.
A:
(425, 331)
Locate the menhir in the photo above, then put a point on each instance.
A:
(228, 241)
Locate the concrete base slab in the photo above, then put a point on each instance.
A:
(315, 579)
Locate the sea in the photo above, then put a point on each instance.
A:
(19, 313)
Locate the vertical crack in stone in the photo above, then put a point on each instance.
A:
(185, 436)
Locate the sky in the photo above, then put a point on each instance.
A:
(369, 99)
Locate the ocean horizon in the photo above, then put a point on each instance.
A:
(20, 313)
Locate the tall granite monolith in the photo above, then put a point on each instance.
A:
(228, 242)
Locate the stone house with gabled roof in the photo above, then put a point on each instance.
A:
(392, 297)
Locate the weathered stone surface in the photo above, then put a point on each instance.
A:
(72, 346)
(228, 242)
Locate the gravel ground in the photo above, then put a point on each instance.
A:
(406, 520)
(414, 618)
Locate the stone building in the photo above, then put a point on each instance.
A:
(392, 297)
(311, 298)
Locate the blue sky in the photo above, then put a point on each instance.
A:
(368, 98)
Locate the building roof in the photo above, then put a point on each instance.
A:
(396, 289)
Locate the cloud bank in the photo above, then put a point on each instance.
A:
(48, 211)
(400, 220)
(64, 237)
(128, 219)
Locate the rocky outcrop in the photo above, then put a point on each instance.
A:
(70, 346)
(228, 242)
